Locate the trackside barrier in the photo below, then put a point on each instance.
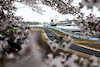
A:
(76, 36)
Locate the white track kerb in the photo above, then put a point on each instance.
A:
(90, 48)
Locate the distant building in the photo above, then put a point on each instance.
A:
(64, 22)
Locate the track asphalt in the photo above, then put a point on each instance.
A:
(73, 46)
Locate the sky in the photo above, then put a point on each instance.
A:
(49, 14)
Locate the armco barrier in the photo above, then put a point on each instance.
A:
(76, 36)
(94, 39)
(83, 37)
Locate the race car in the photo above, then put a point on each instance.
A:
(51, 35)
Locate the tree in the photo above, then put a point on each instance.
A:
(14, 37)
(8, 23)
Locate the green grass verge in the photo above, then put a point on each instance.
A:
(42, 35)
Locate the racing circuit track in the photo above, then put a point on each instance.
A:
(73, 46)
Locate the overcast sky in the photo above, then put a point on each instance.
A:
(29, 15)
